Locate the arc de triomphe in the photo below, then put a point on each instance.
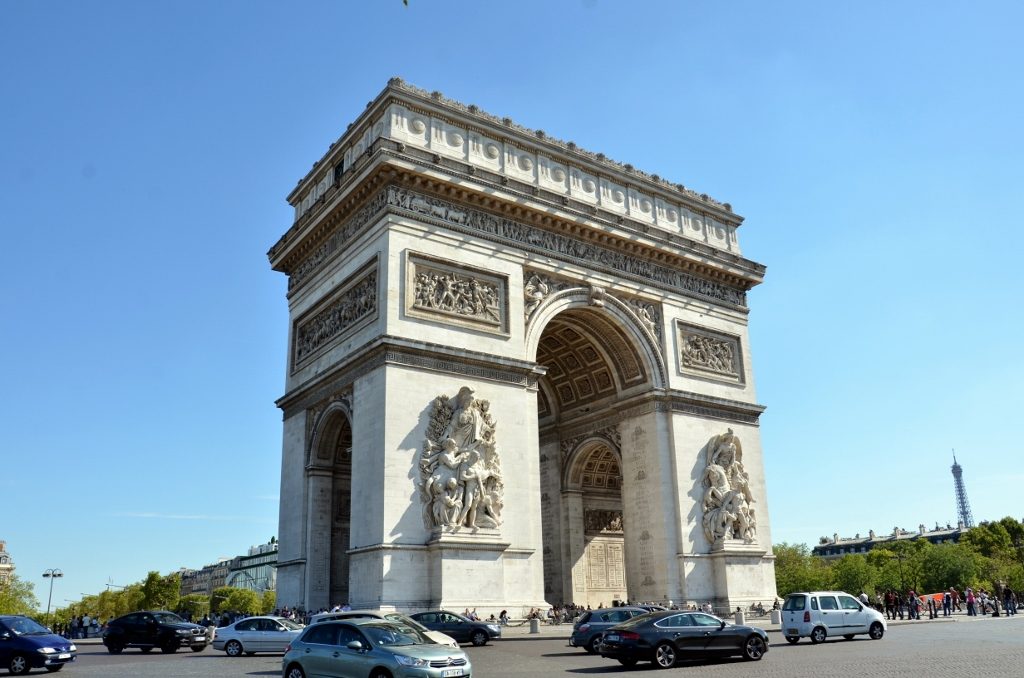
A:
(518, 375)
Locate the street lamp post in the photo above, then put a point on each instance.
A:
(51, 574)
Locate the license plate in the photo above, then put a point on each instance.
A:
(792, 632)
(200, 637)
(64, 655)
(451, 672)
(612, 636)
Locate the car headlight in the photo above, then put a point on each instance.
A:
(73, 648)
(46, 650)
(406, 660)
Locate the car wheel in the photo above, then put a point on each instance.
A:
(876, 631)
(379, 673)
(754, 648)
(593, 644)
(19, 665)
(233, 648)
(146, 650)
(295, 671)
(628, 662)
(793, 640)
(114, 648)
(665, 656)
(478, 638)
(818, 635)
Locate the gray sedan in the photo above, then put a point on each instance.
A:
(256, 634)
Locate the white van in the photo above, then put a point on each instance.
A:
(820, 614)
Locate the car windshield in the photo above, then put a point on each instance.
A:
(168, 618)
(23, 626)
(290, 625)
(393, 633)
(402, 619)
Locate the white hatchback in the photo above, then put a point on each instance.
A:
(820, 614)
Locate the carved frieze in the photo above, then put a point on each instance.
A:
(602, 521)
(708, 353)
(516, 233)
(460, 469)
(351, 306)
(457, 295)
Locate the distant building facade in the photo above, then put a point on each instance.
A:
(6, 564)
(837, 546)
(256, 571)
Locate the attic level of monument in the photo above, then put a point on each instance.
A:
(435, 105)
(551, 186)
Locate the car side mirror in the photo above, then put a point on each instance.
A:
(721, 624)
(355, 645)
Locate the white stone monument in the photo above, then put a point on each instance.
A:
(518, 375)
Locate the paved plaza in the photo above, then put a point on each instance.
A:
(964, 647)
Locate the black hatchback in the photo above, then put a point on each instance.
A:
(666, 638)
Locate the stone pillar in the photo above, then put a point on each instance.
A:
(551, 522)
(318, 560)
(649, 502)
(574, 564)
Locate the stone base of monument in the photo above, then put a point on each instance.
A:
(467, 568)
(739, 574)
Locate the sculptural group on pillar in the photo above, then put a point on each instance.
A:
(728, 513)
(460, 468)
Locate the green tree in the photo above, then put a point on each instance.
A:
(797, 570)
(16, 596)
(991, 540)
(245, 601)
(194, 605)
(946, 565)
(160, 592)
(218, 596)
(853, 573)
(268, 602)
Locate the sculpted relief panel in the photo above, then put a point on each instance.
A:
(727, 499)
(709, 354)
(460, 468)
(353, 304)
(456, 295)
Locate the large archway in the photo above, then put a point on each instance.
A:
(330, 486)
(595, 359)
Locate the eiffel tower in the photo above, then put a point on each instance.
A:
(963, 507)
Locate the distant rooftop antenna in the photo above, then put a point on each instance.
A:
(963, 507)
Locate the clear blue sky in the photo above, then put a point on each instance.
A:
(874, 148)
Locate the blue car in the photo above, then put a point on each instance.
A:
(27, 645)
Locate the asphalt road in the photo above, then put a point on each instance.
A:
(967, 647)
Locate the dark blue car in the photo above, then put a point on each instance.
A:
(27, 645)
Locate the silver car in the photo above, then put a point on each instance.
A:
(435, 636)
(256, 634)
(371, 647)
